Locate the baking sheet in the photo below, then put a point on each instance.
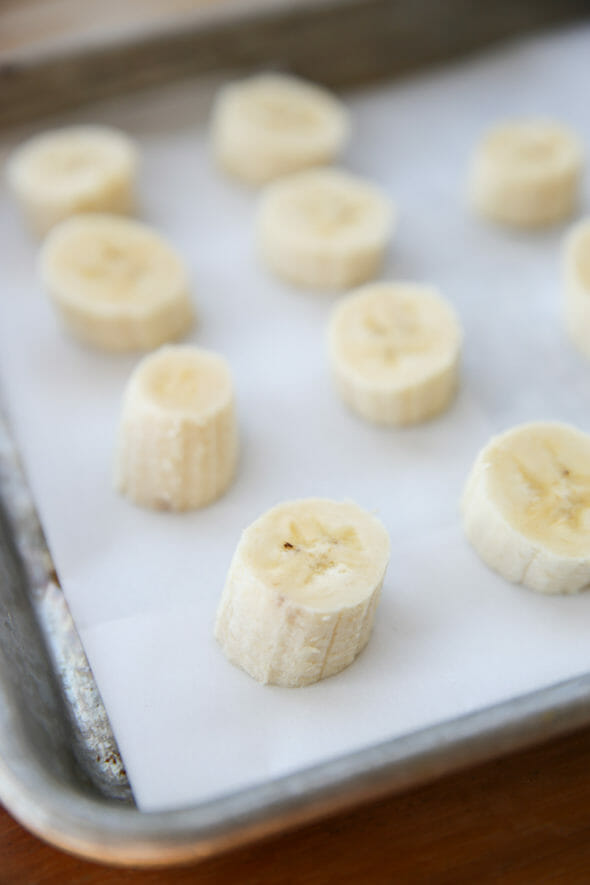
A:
(143, 587)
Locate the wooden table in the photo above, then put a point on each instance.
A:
(524, 819)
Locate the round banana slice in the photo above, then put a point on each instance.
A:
(271, 125)
(577, 286)
(72, 170)
(527, 173)
(116, 284)
(526, 507)
(178, 444)
(324, 229)
(394, 351)
(300, 597)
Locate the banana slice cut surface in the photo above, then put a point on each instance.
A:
(302, 589)
(526, 507)
(116, 284)
(178, 444)
(270, 125)
(527, 173)
(324, 229)
(577, 286)
(72, 170)
(394, 352)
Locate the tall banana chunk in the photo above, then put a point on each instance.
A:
(271, 125)
(177, 445)
(527, 173)
(116, 284)
(300, 597)
(394, 351)
(577, 286)
(526, 507)
(72, 170)
(324, 229)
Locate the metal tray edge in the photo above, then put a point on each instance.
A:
(375, 38)
(93, 829)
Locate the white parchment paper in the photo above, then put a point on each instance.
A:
(143, 587)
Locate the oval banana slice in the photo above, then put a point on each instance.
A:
(527, 173)
(72, 170)
(271, 125)
(300, 597)
(324, 229)
(177, 446)
(577, 286)
(115, 283)
(526, 507)
(394, 351)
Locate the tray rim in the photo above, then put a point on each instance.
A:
(94, 829)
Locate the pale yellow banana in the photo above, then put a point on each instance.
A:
(394, 351)
(115, 283)
(577, 286)
(324, 229)
(301, 593)
(526, 507)
(527, 173)
(178, 444)
(71, 170)
(270, 125)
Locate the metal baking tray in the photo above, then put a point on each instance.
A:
(60, 771)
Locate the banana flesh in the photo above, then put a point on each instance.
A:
(394, 351)
(116, 284)
(177, 446)
(577, 286)
(72, 170)
(302, 589)
(526, 507)
(527, 173)
(324, 229)
(271, 125)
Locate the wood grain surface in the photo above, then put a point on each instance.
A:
(36, 23)
(524, 819)
(56, 54)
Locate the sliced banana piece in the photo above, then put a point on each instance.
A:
(527, 173)
(394, 351)
(271, 125)
(526, 507)
(302, 589)
(324, 229)
(76, 169)
(115, 283)
(178, 444)
(577, 286)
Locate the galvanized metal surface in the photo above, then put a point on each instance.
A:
(27, 567)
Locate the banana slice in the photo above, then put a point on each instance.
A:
(300, 597)
(324, 229)
(577, 286)
(116, 284)
(527, 173)
(526, 507)
(271, 125)
(394, 351)
(72, 170)
(177, 446)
